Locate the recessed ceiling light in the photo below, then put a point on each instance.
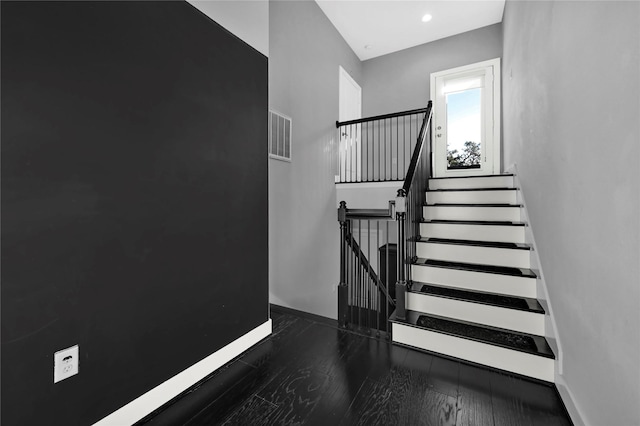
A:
(426, 18)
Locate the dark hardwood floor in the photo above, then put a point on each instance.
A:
(310, 372)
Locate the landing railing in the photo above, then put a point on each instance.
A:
(367, 269)
(378, 149)
(371, 287)
(409, 206)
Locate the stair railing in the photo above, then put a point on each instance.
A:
(366, 292)
(409, 203)
(377, 149)
(367, 269)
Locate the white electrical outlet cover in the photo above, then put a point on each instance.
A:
(65, 363)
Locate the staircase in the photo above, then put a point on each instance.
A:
(472, 293)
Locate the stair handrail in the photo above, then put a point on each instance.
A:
(357, 250)
(377, 148)
(345, 217)
(417, 151)
(381, 117)
(408, 204)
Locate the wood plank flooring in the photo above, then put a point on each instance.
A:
(309, 372)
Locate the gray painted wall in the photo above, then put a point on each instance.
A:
(305, 52)
(571, 108)
(400, 81)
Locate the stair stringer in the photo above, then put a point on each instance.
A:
(551, 329)
(461, 323)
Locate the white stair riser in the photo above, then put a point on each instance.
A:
(514, 258)
(472, 197)
(495, 233)
(498, 214)
(472, 183)
(493, 356)
(480, 281)
(510, 319)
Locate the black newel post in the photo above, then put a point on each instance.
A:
(343, 293)
(401, 284)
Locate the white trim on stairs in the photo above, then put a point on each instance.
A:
(510, 257)
(164, 392)
(484, 182)
(473, 197)
(495, 233)
(482, 353)
(495, 316)
(472, 280)
(479, 212)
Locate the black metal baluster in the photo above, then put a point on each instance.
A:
(384, 146)
(379, 290)
(390, 158)
(387, 153)
(368, 150)
(346, 154)
(343, 156)
(363, 273)
(358, 154)
(369, 270)
(354, 312)
(350, 288)
(369, 295)
(343, 295)
(401, 284)
(386, 284)
(350, 157)
(352, 256)
(356, 285)
(397, 150)
(418, 122)
(353, 147)
(404, 144)
(379, 152)
(410, 137)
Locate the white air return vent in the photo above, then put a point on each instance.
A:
(279, 136)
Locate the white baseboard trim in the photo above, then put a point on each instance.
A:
(164, 392)
(553, 337)
(569, 401)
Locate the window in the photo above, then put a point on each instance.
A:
(279, 136)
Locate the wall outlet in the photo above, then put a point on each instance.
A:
(65, 363)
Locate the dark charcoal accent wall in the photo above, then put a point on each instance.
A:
(134, 200)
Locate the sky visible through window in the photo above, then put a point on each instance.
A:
(463, 118)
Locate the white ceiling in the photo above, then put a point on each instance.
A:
(391, 25)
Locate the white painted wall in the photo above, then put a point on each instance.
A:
(305, 54)
(247, 19)
(367, 195)
(571, 108)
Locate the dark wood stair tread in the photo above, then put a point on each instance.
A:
(474, 222)
(498, 300)
(477, 267)
(491, 244)
(522, 342)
